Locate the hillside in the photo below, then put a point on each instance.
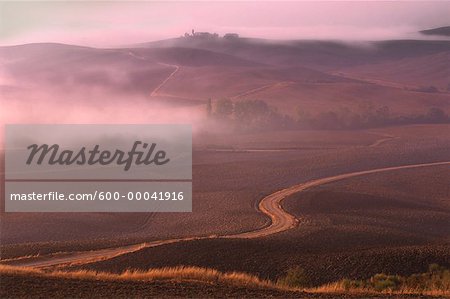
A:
(315, 75)
(68, 68)
(187, 77)
(427, 70)
(441, 31)
(321, 55)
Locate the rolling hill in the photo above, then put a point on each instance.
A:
(315, 75)
(441, 31)
(427, 70)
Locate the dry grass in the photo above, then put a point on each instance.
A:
(175, 273)
(208, 275)
(340, 287)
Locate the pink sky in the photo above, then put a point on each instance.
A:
(118, 23)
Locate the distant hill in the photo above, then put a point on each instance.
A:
(192, 57)
(320, 55)
(70, 67)
(316, 75)
(426, 70)
(443, 31)
(128, 71)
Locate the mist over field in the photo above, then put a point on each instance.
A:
(311, 84)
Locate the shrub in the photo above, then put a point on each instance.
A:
(435, 281)
(295, 277)
(381, 282)
(349, 284)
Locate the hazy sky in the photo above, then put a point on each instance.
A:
(115, 23)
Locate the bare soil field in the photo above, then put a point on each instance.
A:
(355, 228)
(229, 205)
(310, 90)
(424, 71)
(321, 97)
(257, 108)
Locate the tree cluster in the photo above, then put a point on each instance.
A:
(251, 115)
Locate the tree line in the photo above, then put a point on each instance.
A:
(253, 115)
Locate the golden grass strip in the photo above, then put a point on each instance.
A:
(207, 275)
(168, 273)
(340, 288)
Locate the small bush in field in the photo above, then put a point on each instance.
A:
(381, 282)
(349, 284)
(295, 277)
(436, 279)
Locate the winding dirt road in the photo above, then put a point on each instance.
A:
(387, 137)
(269, 205)
(156, 90)
(282, 220)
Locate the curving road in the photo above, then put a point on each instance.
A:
(282, 220)
(269, 205)
(387, 137)
(156, 90)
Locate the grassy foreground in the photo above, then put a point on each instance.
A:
(196, 281)
(178, 273)
(434, 282)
